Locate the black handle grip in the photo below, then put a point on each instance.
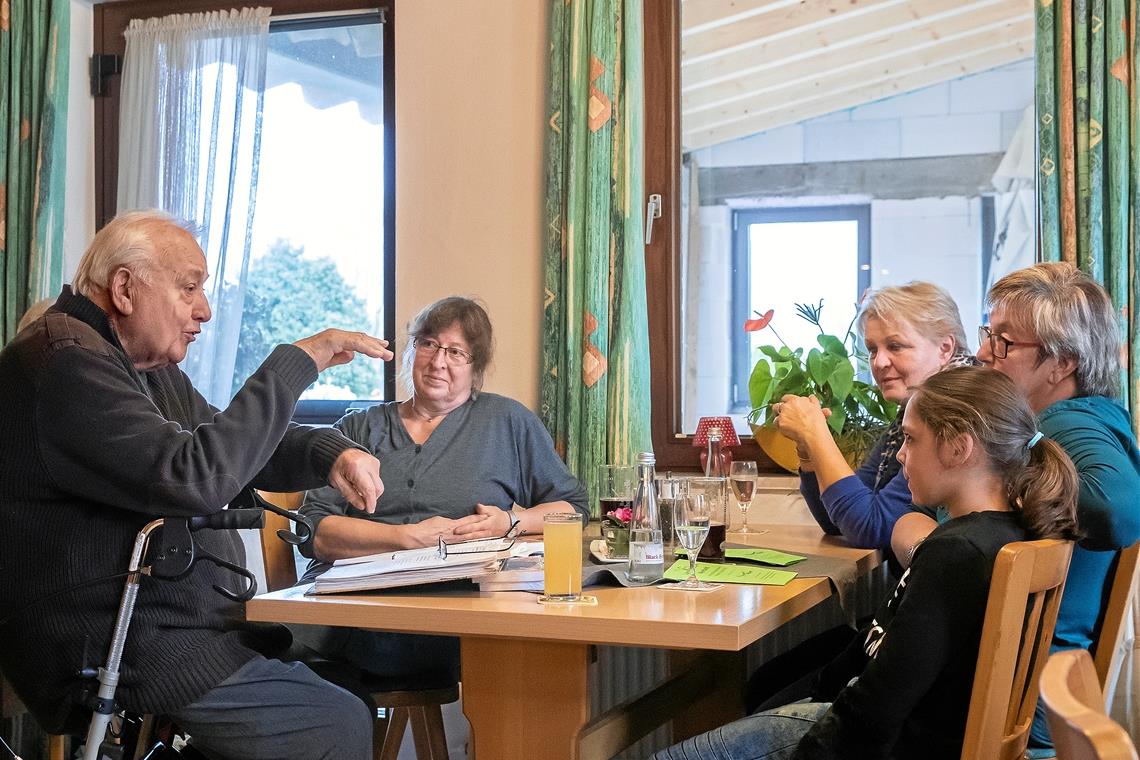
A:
(229, 519)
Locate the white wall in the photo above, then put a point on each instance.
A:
(974, 114)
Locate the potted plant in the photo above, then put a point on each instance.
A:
(858, 412)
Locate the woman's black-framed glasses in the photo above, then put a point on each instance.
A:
(454, 356)
(999, 346)
(480, 545)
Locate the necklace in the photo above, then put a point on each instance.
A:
(425, 417)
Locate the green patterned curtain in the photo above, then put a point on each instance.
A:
(595, 342)
(1087, 170)
(34, 55)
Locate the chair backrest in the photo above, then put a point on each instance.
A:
(1106, 650)
(1074, 705)
(280, 567)
(1025, 592)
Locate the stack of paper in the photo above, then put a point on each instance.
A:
(412, 567)
(514, 574)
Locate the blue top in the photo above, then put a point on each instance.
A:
(491, 450)
(853, 506)
(1096, 433)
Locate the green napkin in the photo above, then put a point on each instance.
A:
(716, 572)
(763, 556)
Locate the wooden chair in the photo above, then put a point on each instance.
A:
(1025, 593)
(420, 707)
(1106, 649)
(1074, 705)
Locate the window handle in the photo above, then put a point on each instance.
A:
(652, 211)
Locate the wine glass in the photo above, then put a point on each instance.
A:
(692, 511)
(742, 478)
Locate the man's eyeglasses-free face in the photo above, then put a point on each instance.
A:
(999, 346)
(456, 357)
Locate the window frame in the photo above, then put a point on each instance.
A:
(742, 220)
(112, 19)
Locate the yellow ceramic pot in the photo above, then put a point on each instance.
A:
(779, 448)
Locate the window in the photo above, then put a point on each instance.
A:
(786, 256)
(920, 127)
(322, 237)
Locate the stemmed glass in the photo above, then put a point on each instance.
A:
(742, 478)
(692, 512)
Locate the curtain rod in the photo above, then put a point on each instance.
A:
(361, 13)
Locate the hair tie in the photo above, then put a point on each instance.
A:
(1033, 441)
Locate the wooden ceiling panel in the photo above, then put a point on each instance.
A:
(853, 94)
(773, 20)
(882, 22)
(752, 65)
(894, 49)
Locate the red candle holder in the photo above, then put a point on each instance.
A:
(728, 439)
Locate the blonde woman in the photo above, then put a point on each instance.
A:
(911, 331)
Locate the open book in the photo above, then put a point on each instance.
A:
(412, 567)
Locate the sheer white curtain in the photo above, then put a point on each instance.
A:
(189, 142)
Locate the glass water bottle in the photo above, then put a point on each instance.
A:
(646, 551)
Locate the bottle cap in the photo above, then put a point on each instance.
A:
(646, 457)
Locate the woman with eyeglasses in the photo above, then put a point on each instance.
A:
(458, 463)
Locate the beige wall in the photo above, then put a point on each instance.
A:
(470, 95)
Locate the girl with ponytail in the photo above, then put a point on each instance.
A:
(902, 689)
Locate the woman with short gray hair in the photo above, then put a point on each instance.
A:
(1053, 331)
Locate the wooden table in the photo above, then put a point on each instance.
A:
(524, 665)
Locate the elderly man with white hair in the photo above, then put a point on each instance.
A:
(100, 433)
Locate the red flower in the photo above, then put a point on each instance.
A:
(752, 325)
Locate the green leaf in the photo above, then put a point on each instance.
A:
(832, 345)
(816, 367)
(836, 421)
(781, 354)
(841, 380)
(760, 384)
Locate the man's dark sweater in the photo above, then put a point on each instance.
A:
(92, 450)
(916, 663)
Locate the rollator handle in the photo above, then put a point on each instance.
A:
(229, 519)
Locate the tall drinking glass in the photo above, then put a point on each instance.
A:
(615, 488)
(715, 493)
(562, 558)
(742, 476)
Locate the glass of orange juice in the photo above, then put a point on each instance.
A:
(562, 558)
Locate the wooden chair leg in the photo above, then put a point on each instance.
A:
(379, 731)
(397, 725)
(146, 735)
(56, 747)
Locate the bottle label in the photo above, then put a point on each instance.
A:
(646, 553)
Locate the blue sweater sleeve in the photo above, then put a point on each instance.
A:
(809, 489)
(866, 519)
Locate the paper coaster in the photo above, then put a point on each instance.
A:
(583, 601)
(679, 587)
